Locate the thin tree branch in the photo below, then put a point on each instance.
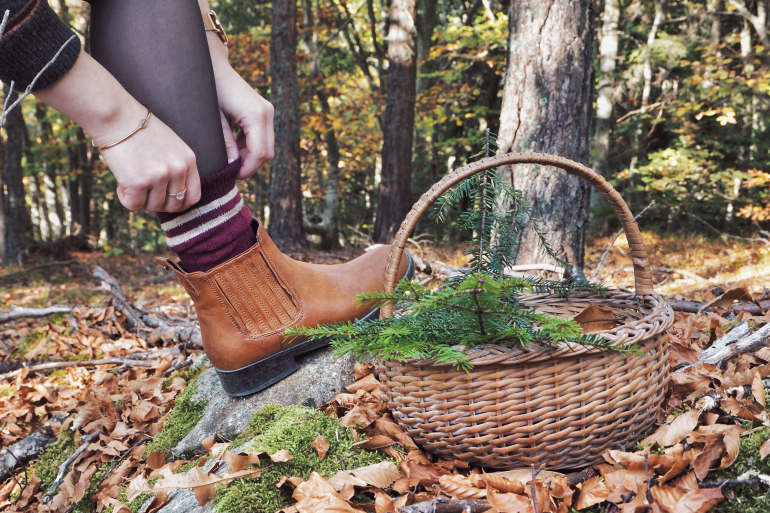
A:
(31, 85)
(20, 312)
(85, 441)
(607, 249)
(748, 239)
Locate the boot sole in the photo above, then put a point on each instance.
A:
(260, 375)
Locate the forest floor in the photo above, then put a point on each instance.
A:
(731, 442)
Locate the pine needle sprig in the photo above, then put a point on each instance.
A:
(479, 307)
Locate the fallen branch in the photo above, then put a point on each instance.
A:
(181, 365)
(746, 344)
(748, 239)
(688, 274)
(85, 441)
(35, 267)
(112, 286)
(81, 363)
(21, 312)
(444, 505)
(695, 306)
(25, 450)
(736, 333)
(736, 482)
(117, 461)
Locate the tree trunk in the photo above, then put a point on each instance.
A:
(547, 107)
(55, 212)
(285, 224)
(327, 227)
(608, 50)
(427, 17)
(2, 197)
(17, 221)
(395, 198)
(715, 32)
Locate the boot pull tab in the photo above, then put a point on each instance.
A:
(168, 264)
(180, 274)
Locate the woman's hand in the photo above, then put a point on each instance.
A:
(152, 163)
(242, 106)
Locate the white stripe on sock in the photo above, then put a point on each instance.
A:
(192, 214)
(181, 239)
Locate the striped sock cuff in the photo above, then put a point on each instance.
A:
(219, 221)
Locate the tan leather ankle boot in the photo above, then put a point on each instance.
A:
(245, 304)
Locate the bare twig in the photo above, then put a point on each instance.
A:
(644, 109)
(82, 363)
(112, 286)
(534, 488)
(20, 312)
(748, 239)
(40, 266)
(116, 462)
(671, 270)
(85, 441)
(695, 306)
(607, 248)
(28, 90)
(178, 366)
(444, 505)
(647, 475)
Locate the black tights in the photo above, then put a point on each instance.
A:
(159, 52)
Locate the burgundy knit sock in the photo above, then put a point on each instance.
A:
(216, 229)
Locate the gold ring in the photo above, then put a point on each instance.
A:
(178, 195)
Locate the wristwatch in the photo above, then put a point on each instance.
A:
(212, 24)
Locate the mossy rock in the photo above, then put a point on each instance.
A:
(183, 418)
(292, 428)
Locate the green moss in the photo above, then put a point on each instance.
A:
(185, 415)
(54, 455)
(188, 375)
(29, 342)
(747, 499)
(293, 428)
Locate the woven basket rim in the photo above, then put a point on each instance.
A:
(659, 318)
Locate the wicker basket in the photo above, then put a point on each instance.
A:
(561, 408)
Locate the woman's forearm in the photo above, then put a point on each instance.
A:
(94, 99)
(219, 52)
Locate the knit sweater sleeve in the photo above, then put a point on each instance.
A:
(31, 38)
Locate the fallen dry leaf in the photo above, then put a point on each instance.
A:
(380, 475)
(321, 446)
(595, 318)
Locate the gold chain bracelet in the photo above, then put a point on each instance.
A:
(143, 124)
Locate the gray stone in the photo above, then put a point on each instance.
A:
(319, 378)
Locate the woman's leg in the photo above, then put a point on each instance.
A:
(159, 52)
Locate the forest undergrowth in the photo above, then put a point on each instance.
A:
(702, 457)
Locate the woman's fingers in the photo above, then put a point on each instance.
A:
(132, 198)
(230, 144)
(193, 185)
(156, 197)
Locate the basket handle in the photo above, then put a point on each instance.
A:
(642, 271)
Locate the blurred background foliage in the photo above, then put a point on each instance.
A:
(688, 126)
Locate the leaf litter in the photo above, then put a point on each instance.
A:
(707, 412)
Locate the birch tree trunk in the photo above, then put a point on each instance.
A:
(17, 220)
(285, 201)
(327, 227)
(547, 107)
(394, 197)
(608, 50)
